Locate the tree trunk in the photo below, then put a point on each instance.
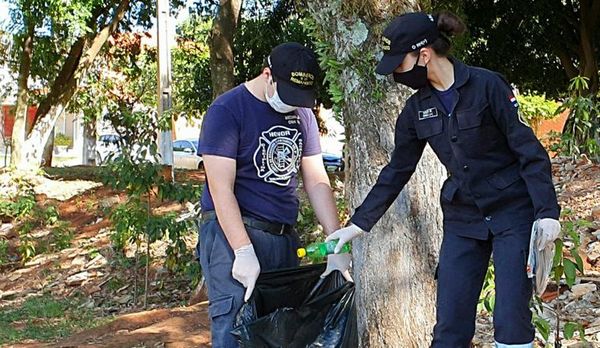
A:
(394, 265)
(221, 46)
(88, 157)
(588, 60)
(48, 148)
(20, 125)
(33, 147)
(61, 92)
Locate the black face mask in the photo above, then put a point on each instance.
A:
(415, 78)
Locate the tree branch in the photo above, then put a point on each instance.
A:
(103, 36)
(78, 62)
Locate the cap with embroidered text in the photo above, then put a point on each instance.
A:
(406, 33)
(295, 69)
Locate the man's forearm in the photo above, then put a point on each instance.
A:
(230, 219)
(321, 198)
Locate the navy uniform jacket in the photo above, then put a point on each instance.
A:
(500, 175)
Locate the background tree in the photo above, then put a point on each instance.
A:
(192, 86)
(394, 265)
(221, 46)
(261, 26)
(541, 46)
(119, 89)
(56, 44)
(531, 41)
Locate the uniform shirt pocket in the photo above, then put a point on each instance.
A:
(429, 127)
(471, 117)
(505, 177)
(449, 190)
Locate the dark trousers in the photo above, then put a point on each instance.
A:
(462, 268)
(225, 294)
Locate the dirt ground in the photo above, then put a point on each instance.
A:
(86, 269)
(170, 328)
(169, 322)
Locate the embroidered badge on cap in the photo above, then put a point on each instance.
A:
(385, 43)
(429, 113)
(302, 78)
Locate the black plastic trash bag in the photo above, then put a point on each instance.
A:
(295, 308)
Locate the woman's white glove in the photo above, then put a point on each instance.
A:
(344, 235)
(246, 268)
(548, 231)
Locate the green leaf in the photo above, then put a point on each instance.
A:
(558, 252)
(578, 260)
(543, 327)
(558, 272)
(569, 329)
(570, 272)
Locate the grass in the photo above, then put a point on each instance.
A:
(93, 173)
(90, 173)
(44, 319)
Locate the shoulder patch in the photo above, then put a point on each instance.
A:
(515, 103)
(522, 119)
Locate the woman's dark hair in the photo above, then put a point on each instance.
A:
(449, 25)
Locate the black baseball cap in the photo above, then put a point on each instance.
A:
(295, 69)
(406, 33)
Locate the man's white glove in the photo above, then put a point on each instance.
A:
(339, 262)
(549, 230)
(246, 268)
(344, 235)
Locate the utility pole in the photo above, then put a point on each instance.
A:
(165, 140)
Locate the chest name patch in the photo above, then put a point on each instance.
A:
(429, 113)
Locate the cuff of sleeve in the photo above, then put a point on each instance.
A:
(312, 152)
(363, 225)
(548, 214)
(214, 151)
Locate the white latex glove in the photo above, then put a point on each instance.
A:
(246, 268)
(344, 235)
(339, 262)
(549, 230)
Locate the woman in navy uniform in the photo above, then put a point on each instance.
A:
(500, 178)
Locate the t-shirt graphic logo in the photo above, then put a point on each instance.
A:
(277, 157)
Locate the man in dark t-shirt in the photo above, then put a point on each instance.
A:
(254, 141)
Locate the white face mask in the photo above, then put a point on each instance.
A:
(275, 101)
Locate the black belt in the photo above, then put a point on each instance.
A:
(273, 228)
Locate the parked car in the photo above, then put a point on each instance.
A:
(333, 162)
(184, 151)
(185, 154)
(108, 147)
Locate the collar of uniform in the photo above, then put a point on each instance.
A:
(461, 76)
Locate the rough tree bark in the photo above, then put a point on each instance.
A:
(82, 54)
(221, 46)
(47, 155)
(20, 124)
(394, 265)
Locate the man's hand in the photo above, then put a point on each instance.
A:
(549, 230)
(339, 262)
(246, 268)
(344, 235)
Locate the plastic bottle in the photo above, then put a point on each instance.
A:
(316, 251)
